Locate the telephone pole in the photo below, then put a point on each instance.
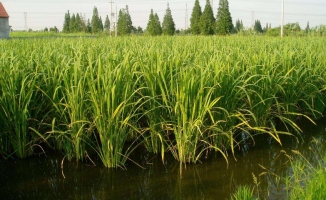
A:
(282, 22)
(25, 15)
(186, 19)
(116, 29)
(253, 19)
(111, 15)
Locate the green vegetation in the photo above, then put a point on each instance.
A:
(195, 19)
(305, 180)
(124, 24)
(168, 26)
(308, 180)
(112, 95)
(224, 24)
(154, 25)
(243, 193)
(207, 20)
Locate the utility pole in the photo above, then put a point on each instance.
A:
(282, 22)
(112, 14)
(186, 20)
(25, 15)
(116, 29)
(253, 19)
(212, 5)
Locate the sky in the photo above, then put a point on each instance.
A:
(50, 13)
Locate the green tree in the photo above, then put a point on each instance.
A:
(96, 26)
(224, 23)
(66, 23)
(88, 27)
(107, 23)
(257, 27)
(78, 23)
(195, 19)
(307, 28)
(101, 24)
(72, 24)
(168, 26)
(207, 20)
(124, 24)
(239, 26)
(154, 25)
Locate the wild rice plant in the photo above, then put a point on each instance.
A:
(111, 91)
(243, 193)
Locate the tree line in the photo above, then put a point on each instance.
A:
(202, 22)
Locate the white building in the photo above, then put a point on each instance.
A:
(4, 22)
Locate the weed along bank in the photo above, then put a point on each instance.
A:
(4, 22)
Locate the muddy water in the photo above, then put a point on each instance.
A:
(41, 177)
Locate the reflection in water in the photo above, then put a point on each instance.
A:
(41, 177)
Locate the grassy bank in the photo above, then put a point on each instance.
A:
(184, 95)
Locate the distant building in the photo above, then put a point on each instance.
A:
(4, 22)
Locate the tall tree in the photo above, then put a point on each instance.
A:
(88, 27)
(195, 19)
(168, 26)
(153, 24)
(158, 26)
(78, 23)
(96, 26)
(239, 25)
(307, 28)
(124, 24)
(207, 20)
(224, 23)
(72, 24)
(101, 24)
(257, 27)
(66, 23)
(107, 23)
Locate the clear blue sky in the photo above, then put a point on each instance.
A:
(49, 13)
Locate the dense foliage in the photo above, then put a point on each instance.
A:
(195, 19)
(207, 20)
(112, 95)
(154, 24)
(124, 24)
(224, 24)
(168, 26)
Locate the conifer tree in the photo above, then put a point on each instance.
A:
(66, 23)
(168, 26)
(195, 19)
(158, 26)
(224, 23)
(124, 24)
(78, 23)
(107, 23)
(153, 24)
(257, 27)
(88, 27)
(307, 28)
(207, 20)
(101, 24)
(239, 25)
(96, 26)
(72, 24)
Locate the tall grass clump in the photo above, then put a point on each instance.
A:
(307, 180)
(243, 193)
(112, 92)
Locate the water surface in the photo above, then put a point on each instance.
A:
(41, 177)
